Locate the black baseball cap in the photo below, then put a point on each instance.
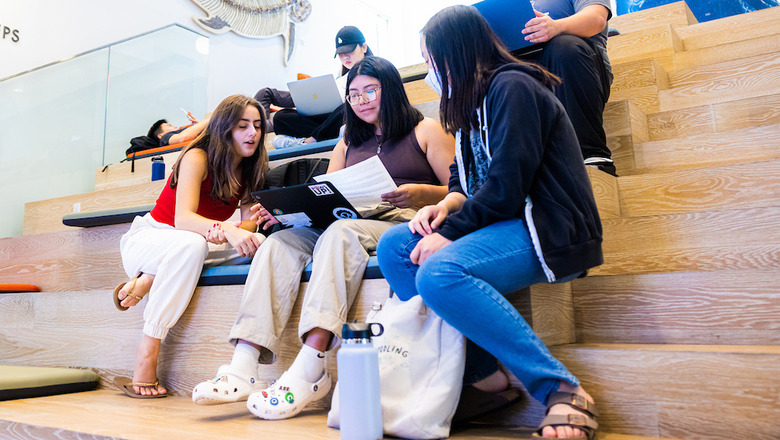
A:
(347, 39)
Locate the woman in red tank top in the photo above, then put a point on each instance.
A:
(164, 251)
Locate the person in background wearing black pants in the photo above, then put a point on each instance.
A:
(292, 128)
(574, 33)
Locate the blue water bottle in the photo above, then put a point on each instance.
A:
(158, 168)
(360, 407)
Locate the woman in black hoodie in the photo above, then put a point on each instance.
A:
(520, 210)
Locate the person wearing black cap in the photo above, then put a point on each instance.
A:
(351, 47)
(292, 128)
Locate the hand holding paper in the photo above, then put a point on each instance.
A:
(362, 184)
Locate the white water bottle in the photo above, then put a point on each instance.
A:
(360, 407)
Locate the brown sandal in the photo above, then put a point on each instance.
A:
(127, 386)
(117, 301)
(585, 421)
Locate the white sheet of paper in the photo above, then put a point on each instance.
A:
(362, 184)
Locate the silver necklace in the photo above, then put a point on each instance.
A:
(378, 144)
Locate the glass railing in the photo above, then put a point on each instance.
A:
(60, 122)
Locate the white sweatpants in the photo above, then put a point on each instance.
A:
(176, 258)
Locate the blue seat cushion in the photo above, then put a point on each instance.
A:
(105, 217)
(227, 275)
(303, 149)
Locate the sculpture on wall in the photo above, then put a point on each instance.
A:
(255, 19)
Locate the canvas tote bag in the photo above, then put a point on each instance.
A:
(421, 363)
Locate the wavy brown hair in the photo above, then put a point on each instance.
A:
(464, 49)
(217, 141)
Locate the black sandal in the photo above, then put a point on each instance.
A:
(585, 421)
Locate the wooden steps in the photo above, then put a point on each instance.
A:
(131, 173)
(105, 339)
(727, 30)
(677, 41)
(680, 391)
(714, 118)
(693, 241)
(742, 145)
(726, 81)
(724, 307)
(46, 215)
(660, 42)
(676, 14)
(735, 186)
(625, 124)
(73, 260)
(760, 45)
(103, 414)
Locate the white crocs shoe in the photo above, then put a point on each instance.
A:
(229, 386)
(287, 397)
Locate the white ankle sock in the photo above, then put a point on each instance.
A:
(245, 359)
(309, 365)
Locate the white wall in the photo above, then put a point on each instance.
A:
(50, 31)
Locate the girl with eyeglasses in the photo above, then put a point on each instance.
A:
(417, 153)
(520, 211)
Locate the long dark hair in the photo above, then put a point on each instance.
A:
(344, 70)
(396, 114)
(464, 49)
(217, 141)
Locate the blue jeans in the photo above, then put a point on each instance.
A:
(466, 282)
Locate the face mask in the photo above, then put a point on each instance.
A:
(433, 79)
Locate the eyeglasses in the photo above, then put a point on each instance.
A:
(368, 96)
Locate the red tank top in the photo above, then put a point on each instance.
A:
(164, 210)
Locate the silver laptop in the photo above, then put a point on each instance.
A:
(315, 96)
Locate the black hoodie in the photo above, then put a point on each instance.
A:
(536, 173)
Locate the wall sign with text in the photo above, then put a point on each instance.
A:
(9, 33)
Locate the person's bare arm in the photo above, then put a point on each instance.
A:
(588, 22)
(190, 132)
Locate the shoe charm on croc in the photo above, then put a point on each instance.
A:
(287, 397)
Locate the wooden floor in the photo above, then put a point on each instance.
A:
(107, 413)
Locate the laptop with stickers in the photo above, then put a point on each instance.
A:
(312, 204)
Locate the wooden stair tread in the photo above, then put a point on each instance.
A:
(730, 29)
(732, 186)
(676, 14)
(691, 58)
(727, 307)
(727, 81)
(76, 259)
(742, 145)
(670, 390)
(105, 339)
(176, 417)
(130, 173)
(661, 42)
(46, 215)
(635, 74)
(712, 118)
(693, 241)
